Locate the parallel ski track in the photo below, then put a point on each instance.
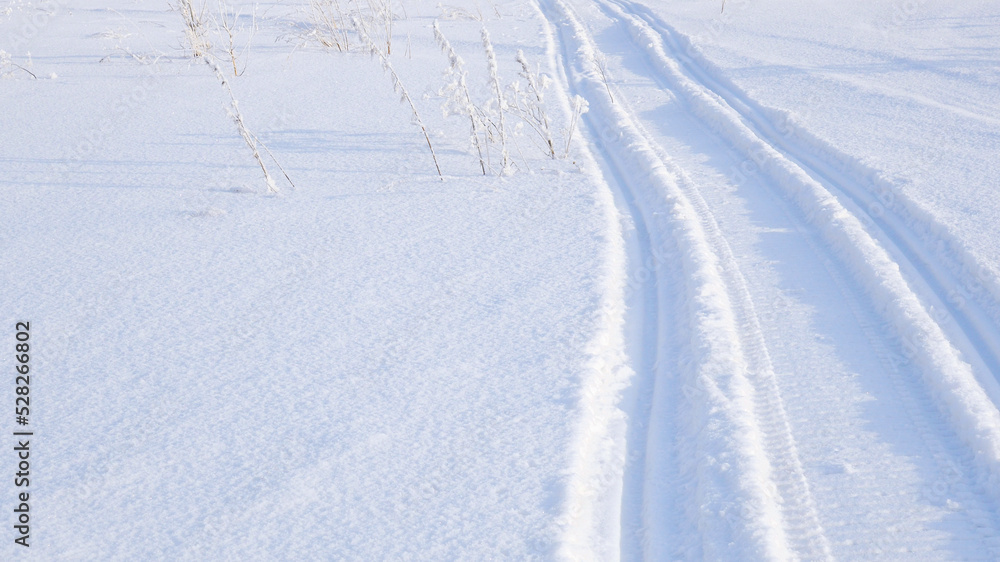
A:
(786, 524)
(805, 535)
(734, 431)
(955, 357)
(980, 332)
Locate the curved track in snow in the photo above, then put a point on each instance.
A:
(807, 385)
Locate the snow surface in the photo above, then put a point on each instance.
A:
(750, 312)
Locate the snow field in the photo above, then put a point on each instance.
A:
(749, 311)
(343, 370)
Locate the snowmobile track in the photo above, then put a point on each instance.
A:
(887, 259)
(723, 368)
(954, 357)
(974, 323)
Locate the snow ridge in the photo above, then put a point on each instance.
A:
(593, 490)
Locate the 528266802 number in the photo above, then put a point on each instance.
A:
(22, 348)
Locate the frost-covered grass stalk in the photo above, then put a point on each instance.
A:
(201, 48)
(381, 11)
(580, 106)
(491, 125)
(530, 104)
(375, 22)
(456, 92)
(331, 22)
(602, 66)
(397, 84)
(194, 22)
(228, 28)
(501, 128)
(7, 64)
(251, 139)
(328, 24)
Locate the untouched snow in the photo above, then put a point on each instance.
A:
(376, 365)
(750, 312)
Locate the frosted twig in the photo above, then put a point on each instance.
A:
(397, 85)
(533, 112)
(580, 106)
(458, 90)
(491, 59)
(252, 141)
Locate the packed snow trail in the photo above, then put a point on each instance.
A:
(976, 329)
(732, 484)
(944, 367)
(715, 358)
